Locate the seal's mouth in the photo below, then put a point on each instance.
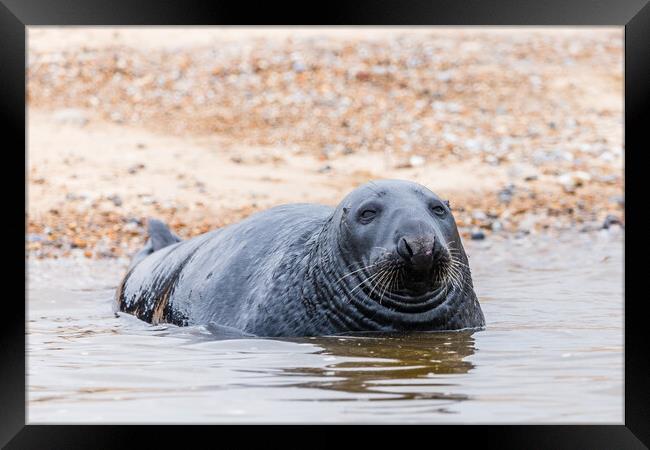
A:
(390, 274)
(435, 276)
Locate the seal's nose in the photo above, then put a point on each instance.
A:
(417, 251)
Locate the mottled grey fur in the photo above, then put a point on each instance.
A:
(305, 270)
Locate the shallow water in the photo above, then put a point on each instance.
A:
(552, 352)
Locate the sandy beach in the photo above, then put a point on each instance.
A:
(520, 130)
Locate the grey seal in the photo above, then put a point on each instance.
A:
(387, 258)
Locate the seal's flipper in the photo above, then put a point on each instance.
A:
(160, 235)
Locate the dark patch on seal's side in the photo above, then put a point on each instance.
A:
(119, 293)
(153, 306)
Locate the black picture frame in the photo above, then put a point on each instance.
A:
(634, 15)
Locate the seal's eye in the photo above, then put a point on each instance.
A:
(439, 210)
(367, 215)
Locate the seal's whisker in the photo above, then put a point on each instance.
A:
(459, 279)
(381, 295)
(384, 282)
(374, 281)
(400, 280)
(452, 244)
(358, 270)
(454, 277)
(380, 281)
(450, 281)
(365, 280)
(455, 254)
(452, 249)
(369, 279)
(455, 260)
(449, 275)
(389, 286)
(457, 263)
(438, 278)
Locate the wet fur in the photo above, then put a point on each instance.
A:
(287, 272)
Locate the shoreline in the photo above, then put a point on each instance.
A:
(520, 129)
(75, 206)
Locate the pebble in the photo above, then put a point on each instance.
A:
(521, 234)
(70, 196)
(416, 161)
(116, 117)
(299, 66)
(131, 226)
(116, 199)
(617, 199)
(135, 168)
(589, 227)
(71, 116)
(477, 235)
(574, 179)
(611, 220)
(505, 194)
(608, 179)
(479, 215)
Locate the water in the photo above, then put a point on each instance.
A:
(552, 353)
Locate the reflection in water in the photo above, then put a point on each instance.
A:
(552, 321)
(377, 364)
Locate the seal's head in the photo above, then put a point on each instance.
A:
(401, 237)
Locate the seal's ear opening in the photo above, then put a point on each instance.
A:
(448, 205)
